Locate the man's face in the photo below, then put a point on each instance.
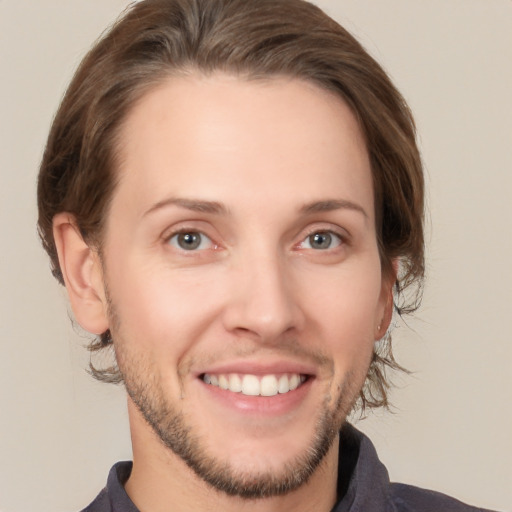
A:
(243, 274)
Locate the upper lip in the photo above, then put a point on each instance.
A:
(251, 367)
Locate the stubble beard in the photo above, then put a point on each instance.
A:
(171, 427)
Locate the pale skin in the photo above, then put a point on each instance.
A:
(254, 170)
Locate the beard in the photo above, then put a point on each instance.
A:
(171, 427)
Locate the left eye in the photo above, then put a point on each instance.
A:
(322, 240)
(190, 241)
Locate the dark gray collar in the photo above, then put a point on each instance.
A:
(363, 481)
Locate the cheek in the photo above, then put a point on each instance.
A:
(161, 310)
(345, 307)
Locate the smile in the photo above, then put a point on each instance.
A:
(252, 385)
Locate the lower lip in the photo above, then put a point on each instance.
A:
(262, 405)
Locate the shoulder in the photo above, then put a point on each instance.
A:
(408, 498)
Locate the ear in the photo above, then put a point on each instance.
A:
(82, 272)
(387, 303)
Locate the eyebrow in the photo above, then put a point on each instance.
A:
(214, 207)
(195, 205)
(331, 205)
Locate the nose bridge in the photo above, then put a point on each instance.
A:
(262, 299)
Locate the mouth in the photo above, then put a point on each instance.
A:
(256, 385)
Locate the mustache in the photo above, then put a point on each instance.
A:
(290, 350)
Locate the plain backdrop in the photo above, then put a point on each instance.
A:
(451, 426)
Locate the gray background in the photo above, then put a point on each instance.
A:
(60, 431)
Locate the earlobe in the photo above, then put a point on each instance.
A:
(388, 300)
(81, 269)
(383, 325)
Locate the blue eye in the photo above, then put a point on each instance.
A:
(190, 241)
(322, 240)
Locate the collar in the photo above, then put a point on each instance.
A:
(363, 481)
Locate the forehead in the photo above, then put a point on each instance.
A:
(222, 137)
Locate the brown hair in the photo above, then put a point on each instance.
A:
(253, 38)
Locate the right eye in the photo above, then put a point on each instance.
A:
(190, 241)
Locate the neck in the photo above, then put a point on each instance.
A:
(160, 479)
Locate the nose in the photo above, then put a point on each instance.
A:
(264, 303)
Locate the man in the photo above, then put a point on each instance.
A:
(232, 194)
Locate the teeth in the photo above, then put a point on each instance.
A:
(223, 382)
(268, 386)
(284, 384)
(235, 383)
(251, 385)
